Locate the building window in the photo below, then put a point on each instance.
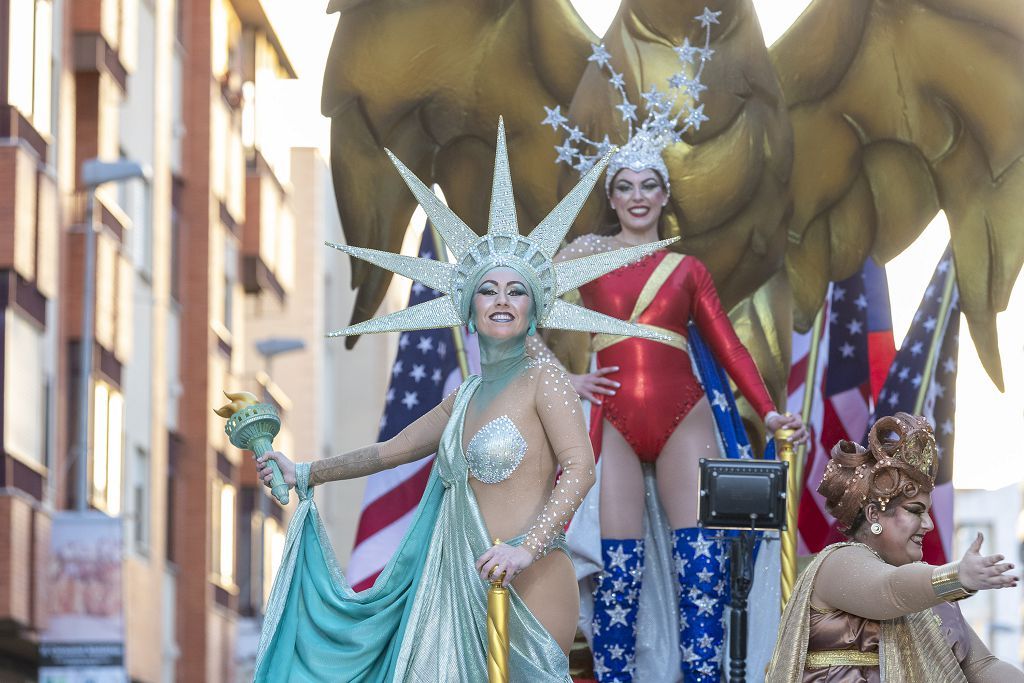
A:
(230, 278)
(140, 500)
(25, 410)
(223, 517)
(30, 60)
(107, 448)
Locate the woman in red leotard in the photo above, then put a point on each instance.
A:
(651, 408)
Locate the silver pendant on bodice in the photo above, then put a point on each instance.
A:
(496, 451)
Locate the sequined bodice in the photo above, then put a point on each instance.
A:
(495, 451)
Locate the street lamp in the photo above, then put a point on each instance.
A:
(94, 174)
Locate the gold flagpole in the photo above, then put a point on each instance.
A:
(940, 328)
(460, 345)
(796, 460)
(497, 630)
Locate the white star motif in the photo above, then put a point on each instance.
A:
(417, 288)
(838, 293)
(686, 52)
(688, 654)
(746, 452)
(397, 369)
(705, 53)
(947, 426)
(403, 341)
(694, 88)
(705, 641)
(617, 652)
(949, 365)
(855, 326)
(705, 605)
(930, 323)
(943, 266)
(617, 80)
(607, 597)
(720, 587)
(720, 401)
(554, 117)
(617, 557)
(628, 111)
(617, 615)
(426, 344)
(704, 575)
(442, 349)
(940, 391)
(599, 53)
(411, 399)
(600, 670)
(681, 564)
(917, 348)
(707, 17)
(903, 373)
(701, 547)
(383, 421)
(696, 117)
(694, 594)
(418, 372)
(566, 152)
(917, 380)
(847, 350)
(390, 396)
(861, 302)
(894, 398)
(619, 586)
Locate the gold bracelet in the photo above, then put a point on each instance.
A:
(946, 583)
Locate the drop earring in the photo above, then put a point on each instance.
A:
(533, 328)
(876, 528)
(472, 327)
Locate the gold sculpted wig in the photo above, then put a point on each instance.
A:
(900, 461)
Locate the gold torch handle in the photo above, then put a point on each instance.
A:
(784, 441)
(497, 630)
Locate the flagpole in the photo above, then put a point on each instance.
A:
(940, 328)
(460, 345)
(796, 464)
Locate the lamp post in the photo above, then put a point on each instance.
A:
(94, 174)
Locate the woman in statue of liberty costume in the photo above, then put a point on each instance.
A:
(501, 441)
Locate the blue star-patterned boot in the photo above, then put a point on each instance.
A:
(616, 601)
(702, 567)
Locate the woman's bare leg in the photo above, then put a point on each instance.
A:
(622, 487)
(549, 589)
(693, 439)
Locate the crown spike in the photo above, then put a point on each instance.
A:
(440, 312)
(566, 316)
(456, 234)
(571, 274)
(434, 274)
(550, 232)
(502, 219)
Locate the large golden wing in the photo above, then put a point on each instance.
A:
(901, 109)
(428, 80)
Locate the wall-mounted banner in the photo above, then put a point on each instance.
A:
(84, 639)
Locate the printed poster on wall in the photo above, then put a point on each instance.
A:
(84, 639)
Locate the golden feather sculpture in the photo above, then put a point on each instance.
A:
(840, 142)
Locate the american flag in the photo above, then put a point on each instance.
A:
(426, 363)
(856, 346)
(903, 386)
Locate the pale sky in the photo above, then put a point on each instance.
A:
(988, 424)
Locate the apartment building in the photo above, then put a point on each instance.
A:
(175, 85)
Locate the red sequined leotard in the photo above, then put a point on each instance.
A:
(658, 384)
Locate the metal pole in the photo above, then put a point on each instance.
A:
(784, 443)
(940, 329)
(810, 388)
(85, 362)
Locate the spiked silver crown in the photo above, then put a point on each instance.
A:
(502, 245)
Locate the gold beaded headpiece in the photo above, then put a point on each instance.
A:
(901, 460)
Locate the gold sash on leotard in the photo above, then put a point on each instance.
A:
(651, 287)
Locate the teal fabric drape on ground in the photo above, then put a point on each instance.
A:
(424, 619)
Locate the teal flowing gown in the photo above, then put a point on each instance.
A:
(424, 619)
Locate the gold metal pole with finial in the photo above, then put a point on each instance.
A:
(933, 348)
(784, 441)
(497, 630)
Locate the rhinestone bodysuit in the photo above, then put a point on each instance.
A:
(495, 451)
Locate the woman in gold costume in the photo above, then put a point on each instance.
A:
(869, 610)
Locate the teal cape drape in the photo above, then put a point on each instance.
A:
(425, 617)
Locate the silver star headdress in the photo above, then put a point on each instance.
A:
(666, 120)
(530, 255)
